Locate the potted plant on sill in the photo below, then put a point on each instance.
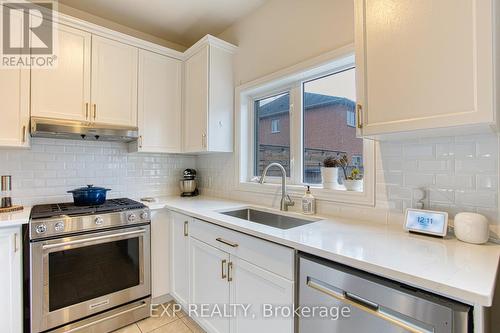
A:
(330, 173)
(353, 181)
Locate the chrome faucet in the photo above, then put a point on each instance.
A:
(286, 201)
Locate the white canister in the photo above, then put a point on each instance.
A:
(471, 228)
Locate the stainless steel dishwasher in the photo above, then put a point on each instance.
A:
(376, 305)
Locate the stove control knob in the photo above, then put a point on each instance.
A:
(59, 226)
(98, 220)
(41, 228)
(145, 215)
(132, 217)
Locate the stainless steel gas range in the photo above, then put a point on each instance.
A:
(87, 269)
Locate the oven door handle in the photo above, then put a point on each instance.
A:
(91, 239)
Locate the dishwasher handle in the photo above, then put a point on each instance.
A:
(363, 305)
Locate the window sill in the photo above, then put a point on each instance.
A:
(320, 193)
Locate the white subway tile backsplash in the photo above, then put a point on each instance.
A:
(51, 167)
(418, 180)
(418, 151)
(487, 182)
(477, 199)
(435, 165)
(450, 181)
(457, 173)
(476, 166)
(442, 196)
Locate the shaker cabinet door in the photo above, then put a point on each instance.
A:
(160, 99)
(15, 96)
(424, 64)
(196, 102)
(11, 289)
(114, 82)
(179, 257)
(63, 92)
(209, 284)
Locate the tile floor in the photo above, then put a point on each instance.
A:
(168, 322)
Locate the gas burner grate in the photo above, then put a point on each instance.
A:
(69, 208)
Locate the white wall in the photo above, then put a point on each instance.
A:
(51, 167)
(282, 33)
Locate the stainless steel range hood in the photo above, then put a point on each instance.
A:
(77, 130)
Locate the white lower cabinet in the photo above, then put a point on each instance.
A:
(225, 282)
(160, 254)
(268, 295)
(179, 257)
(209, 289)
(11, 289)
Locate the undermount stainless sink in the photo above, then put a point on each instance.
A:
(269, 219)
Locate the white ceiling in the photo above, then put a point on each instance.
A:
(179, 21)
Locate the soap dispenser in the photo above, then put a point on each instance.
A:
(308, 202)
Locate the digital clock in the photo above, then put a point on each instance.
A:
(426, 222)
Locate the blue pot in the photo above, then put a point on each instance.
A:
(89, 196)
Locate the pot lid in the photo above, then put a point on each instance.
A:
(89, 188)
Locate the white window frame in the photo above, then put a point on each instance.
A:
(290, 80)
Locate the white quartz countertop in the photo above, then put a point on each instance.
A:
(447, 267)
(15, 219)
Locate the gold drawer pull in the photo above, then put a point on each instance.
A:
(223, 241)
(186, 228)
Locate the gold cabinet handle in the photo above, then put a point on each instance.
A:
(186, 228)
(230, 272)
(95, 111)
(24, 133)
(204, 140)
(87, 111)
(223, 241)
(223, 273)
(359, 113)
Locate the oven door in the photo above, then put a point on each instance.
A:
(78, 276)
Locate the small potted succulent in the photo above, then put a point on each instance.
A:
(330, 173)
(354, 182)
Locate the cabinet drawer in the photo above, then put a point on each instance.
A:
(270, 256)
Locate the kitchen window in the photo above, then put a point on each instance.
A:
(298, 120)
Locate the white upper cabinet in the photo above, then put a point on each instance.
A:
(14, 94)
(114, 82)
(424, 65)
(15, 112)
(208, 97)
(160, 103)
(63, 92)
